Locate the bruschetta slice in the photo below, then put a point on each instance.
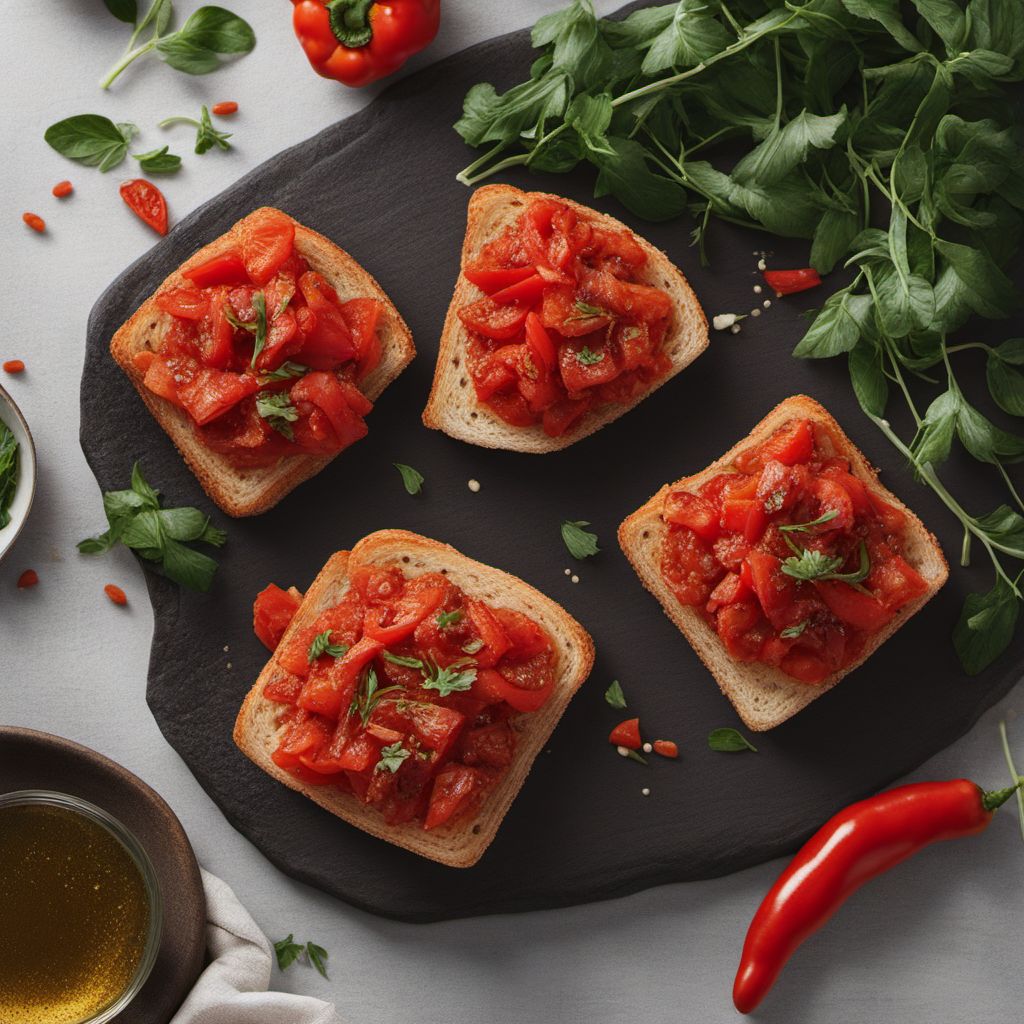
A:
(412, 691)
(562, 320)
(260, 357)
(786, 563)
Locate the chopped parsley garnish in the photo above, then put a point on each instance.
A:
(456, 677)
(791, 632)
(367, 699)
(808, 564)
(322, 645)
(391, 757)
(581, 543)
(587, 357)
(401, 659)
(448, 618)
(277, 409)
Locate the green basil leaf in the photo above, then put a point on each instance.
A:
(183, 523)
(988, 290)
(158, 161)
(1006, 385)
(935, 436)
(614, 696)
(627, 175)
(580, 542)
(984, 440)
(947, 19)
(832, 238)
(837, 326)
(985, 627)
(788, 147)
(1006, 527)
(868, 378)
(887, 14)
(90, 139)
(411, 478)
(188, 567)
(693, 35)
(488, 117)
(729, 741)
(287, 952)
(317, 957)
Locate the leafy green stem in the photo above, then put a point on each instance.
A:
(130, 57)
(1013, 774)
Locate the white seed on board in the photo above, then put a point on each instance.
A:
(474, 485)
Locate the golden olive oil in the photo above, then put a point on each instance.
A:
(74, 914)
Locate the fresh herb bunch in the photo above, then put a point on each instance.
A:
(206, 135)
(9, 469)
(158, 535)
(197, 48)
(856, 113)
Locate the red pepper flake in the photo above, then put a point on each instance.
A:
(116, 594)
(29, 578)
(14, 366)
(62, 189)
(788, 282)
(626, 734)
(667, 748)
(224, 109)
(34, 221)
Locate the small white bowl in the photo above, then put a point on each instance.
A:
(11, 415)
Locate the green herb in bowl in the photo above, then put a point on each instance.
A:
(10, 464)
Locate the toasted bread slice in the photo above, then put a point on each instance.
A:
(247, 491)
(764, 696)
(453, 406)
(461, 843)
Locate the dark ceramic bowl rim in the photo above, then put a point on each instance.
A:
(131, 845)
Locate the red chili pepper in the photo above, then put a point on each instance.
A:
(667, 748)
(62, 189)
(14, 366)
(224, 109)
(358, 41)
(788, 282)
(859, 843)
(29, 578)
(626, 734)
(34, 221)
(116, 594)
(147, 202)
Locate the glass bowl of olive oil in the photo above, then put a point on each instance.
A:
(80, 911)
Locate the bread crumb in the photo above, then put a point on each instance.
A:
(226, 648)
(645, 791)
(761, 265)
(623, 751)
(575, 579)
(474, 485)
(755, 312)
(648, 748)
(229, 664)
(767, 303)
(735, 329)
(758, 289)
(568, 572)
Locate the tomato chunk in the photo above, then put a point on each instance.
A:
(272, 613)
(626, 734)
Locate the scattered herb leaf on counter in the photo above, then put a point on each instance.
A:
(91, 139)
(322, 645)
(729, 741)
(197, 48)
(287, 952)
(845, 114)
(9, 466)
(580, 542)
(206, 135)
(412, 479)
(158, 535)
(158, 161)
(614, 695)
(317, 957)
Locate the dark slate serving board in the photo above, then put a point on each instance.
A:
(382, 185)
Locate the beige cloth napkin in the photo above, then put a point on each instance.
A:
(233, 988)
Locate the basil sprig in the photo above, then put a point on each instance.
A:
(158, 161)
(158, 535)
(197, 48)
(206, 135)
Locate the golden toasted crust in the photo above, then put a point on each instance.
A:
(453, 406)
(765, 696)
(250, 490)
(461, 843)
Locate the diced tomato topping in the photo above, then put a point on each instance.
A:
(272, 613)
(267, 242)
(329, 693)
(768, 552)
(454, 788)
(626, 734)
(227, 268)
(567, 323)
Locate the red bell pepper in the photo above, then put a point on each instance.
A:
(788, 282)
(358, 41)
